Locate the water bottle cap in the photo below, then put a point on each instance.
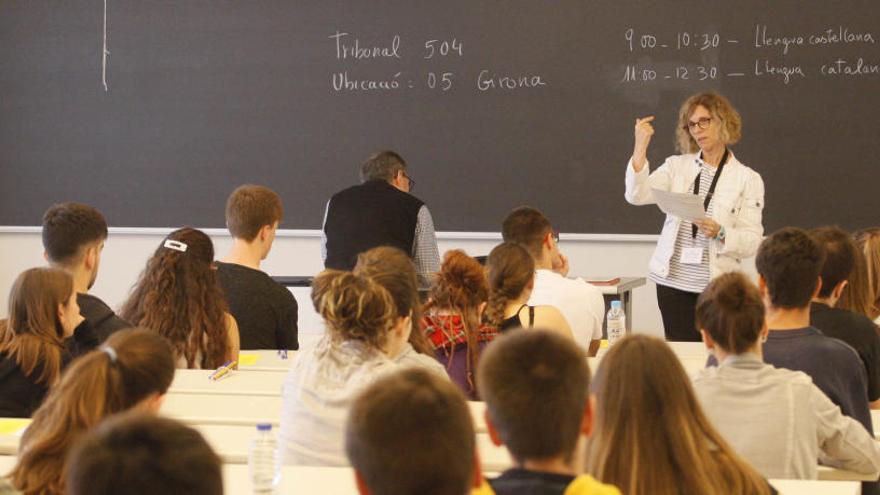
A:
(615, 304)
(264, 427)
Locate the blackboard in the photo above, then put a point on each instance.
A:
(204, 95)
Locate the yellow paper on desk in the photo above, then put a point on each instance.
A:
(248, 359)
(13, 426)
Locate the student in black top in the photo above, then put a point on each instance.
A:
(536, 387)
(511, 279)
(266, 312)
(43, 313)
(853, 328)
(73, 238)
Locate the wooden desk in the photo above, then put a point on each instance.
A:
(241, 410)
(265, 360)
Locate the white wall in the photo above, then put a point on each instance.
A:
(299, 253)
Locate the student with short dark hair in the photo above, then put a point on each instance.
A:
(789, 264)
(73, 239)
(43, 314)
(179, 297)
(265, 311)
(536, 388)
(580, 303)
(411, 433)
(141, 454)
(651, 435)
(775, 418)
(394, 270)
(855, 329)
(133, 369)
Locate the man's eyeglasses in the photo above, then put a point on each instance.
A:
(412, 183)
(555, 235)
(702, 124)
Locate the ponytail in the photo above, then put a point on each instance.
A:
(511, 268)
(131, 366)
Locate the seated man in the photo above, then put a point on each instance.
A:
(73, 238)
(855, 329)
(265, 311)
(411, 433)
(789, 263)
(141, 454)
(380, 212)
(536, 387)
(581, 303)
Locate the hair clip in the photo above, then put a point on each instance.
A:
(110, 352)
(175, 245)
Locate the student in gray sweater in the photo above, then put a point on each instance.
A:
(775, 418)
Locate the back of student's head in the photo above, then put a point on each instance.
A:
(383, 165)
(411, 433)
(840, 257)
(141, 454)
(790, 261)
(354, 307)
(869, 244)
(651, 435)
(460, 284)
(535, 385)
(730, 309)
(33, 334)
(250, 208)
(394, 270)
(133, 367)
(70, 228)
(179, 296)
(511, 269)
(526, 226)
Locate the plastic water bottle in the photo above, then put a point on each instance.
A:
(615, 323)
(262, 463)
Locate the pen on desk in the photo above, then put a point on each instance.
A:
(222, 371)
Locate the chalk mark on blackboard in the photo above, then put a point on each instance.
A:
(104, 51)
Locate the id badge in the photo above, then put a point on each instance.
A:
(691, 255)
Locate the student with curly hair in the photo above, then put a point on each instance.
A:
(453, 319)
(133, 369)
(36, 340)
(511, 280)
(179, 296)
(363, 334)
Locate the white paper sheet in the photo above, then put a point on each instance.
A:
(688, 207)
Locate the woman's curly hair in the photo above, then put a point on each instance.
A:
(179, 296)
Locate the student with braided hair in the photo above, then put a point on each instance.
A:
(453, 319)
(363, 335)
(511, 280)
(132, 370)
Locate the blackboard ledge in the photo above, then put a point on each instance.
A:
(313, 233)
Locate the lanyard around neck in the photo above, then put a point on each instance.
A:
(711, 191)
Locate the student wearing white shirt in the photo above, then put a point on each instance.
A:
(581, 303)
(363, 333)
(689, 255)
(775, 418)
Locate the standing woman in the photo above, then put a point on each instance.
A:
(688, 255)
(178, 296)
